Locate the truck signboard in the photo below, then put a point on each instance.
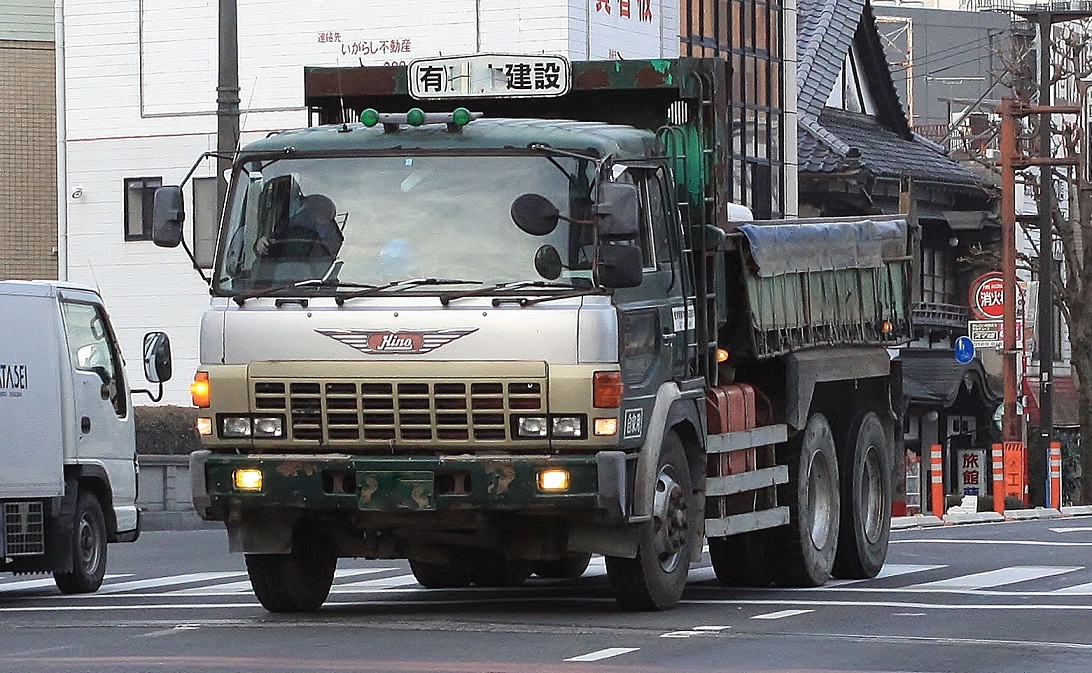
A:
(489, 76)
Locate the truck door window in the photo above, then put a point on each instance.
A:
(92, 348)
(659, 207)
(648, 248)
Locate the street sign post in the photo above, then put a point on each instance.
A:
(964, 350)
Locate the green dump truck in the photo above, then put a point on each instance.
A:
(494, 332)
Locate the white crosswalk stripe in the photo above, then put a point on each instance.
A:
(231, 588)
(996, 578)
(172, 580)
(889, 570)
(22, 585)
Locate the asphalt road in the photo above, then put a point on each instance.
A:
(996, 598)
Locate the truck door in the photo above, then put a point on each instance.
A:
(104, 431)
(651, 316)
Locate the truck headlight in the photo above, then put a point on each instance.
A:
(567, 427)
(269, 426)
(235, 427)
(532, 426)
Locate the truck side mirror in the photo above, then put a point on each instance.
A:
(168, 215)
(157, 357)
(534, 214)
(619, 265)
(618, 210)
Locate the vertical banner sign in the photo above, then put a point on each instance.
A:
(972, 471)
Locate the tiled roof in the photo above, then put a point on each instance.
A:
(879, 150)
(934, 378)
(824, 33)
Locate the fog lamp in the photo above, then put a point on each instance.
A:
(553, 480)
(204, 426)
(248, 479)
(606, 427)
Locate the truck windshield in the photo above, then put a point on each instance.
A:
(373, 220)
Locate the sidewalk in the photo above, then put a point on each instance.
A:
(958, 517)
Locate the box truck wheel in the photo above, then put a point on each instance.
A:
(655, 578)
(866, 500)
(291, 582)
(810, 540)
(439, 575)
(88, 548)
(741, 560)
(569, 566)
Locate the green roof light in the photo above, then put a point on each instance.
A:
(415, 116)
(460, 116)
(369, 117)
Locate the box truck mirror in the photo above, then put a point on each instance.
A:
(157, 357)
(548, 262)
(534, 214)
(619, 265)
(168, 215)
(618, 210)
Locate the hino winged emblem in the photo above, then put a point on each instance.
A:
(401, 342)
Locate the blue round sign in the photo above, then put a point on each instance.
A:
(964, 350)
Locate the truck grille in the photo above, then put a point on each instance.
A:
(24, 529)
(385, 411)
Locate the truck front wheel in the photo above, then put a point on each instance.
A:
(291, 582)
(656, 577)
(811, 539)
(866, 500)
(88, 548)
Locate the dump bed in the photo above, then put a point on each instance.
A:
(821, 282)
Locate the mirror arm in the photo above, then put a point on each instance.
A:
(155, 397)
(572, 220)
(189, 252)
(193, 261)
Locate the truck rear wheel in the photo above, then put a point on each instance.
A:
(569, 566)
(88, 548)
(741, 560)
(866, 500)
(291, 582)
(810, 540)
(656, 577)
(440, 575)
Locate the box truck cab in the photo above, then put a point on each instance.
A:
(69, 482)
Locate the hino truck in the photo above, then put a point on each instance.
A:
(490, 315)
(69, 480)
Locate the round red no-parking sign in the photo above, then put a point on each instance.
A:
(987, 296)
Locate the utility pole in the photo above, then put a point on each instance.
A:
(1045, 16)
(227, 97)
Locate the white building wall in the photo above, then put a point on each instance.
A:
(140, 101)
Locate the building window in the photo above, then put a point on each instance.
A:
(139, 195)
(937, 277)
(205, 221)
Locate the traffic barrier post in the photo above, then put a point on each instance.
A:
(936, 477)
(998, 464)
(1055, 482)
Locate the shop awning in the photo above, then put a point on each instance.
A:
(1065, 402)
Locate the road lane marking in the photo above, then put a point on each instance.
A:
(231, 588)
(1078, 590)
(1075, 529)
(165, 581)
(1027, 543)
(381, 583)
(996, 578)
(681, 634)
(782, 614)
(42, 584)
(607, 653)
(888, 570)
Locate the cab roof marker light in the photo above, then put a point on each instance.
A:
(369, 117)
(393, 121)
(415, 116)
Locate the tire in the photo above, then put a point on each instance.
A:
(810, 541)
(866, 500)
(741, 560)
(497, 571)
(439, 575)
(88, 548)
(656, 577)
(291, 582)
(570, 566)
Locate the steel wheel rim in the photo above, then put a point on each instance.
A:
(820, 501)
(872, 495)
(668, 520)
(88, 545)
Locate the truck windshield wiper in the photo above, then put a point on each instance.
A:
(342, 297)
(448, 297)
(241, 297)
(524, 301)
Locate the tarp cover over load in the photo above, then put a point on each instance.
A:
(823, 282)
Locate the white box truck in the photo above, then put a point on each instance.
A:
(68, 450)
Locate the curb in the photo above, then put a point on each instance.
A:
(951, 518)
(155, 521)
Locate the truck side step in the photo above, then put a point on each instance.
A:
(747, 481)
(747, 439)
(745, 523)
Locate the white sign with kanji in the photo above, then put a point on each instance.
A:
(489, 76)
(971, 472)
